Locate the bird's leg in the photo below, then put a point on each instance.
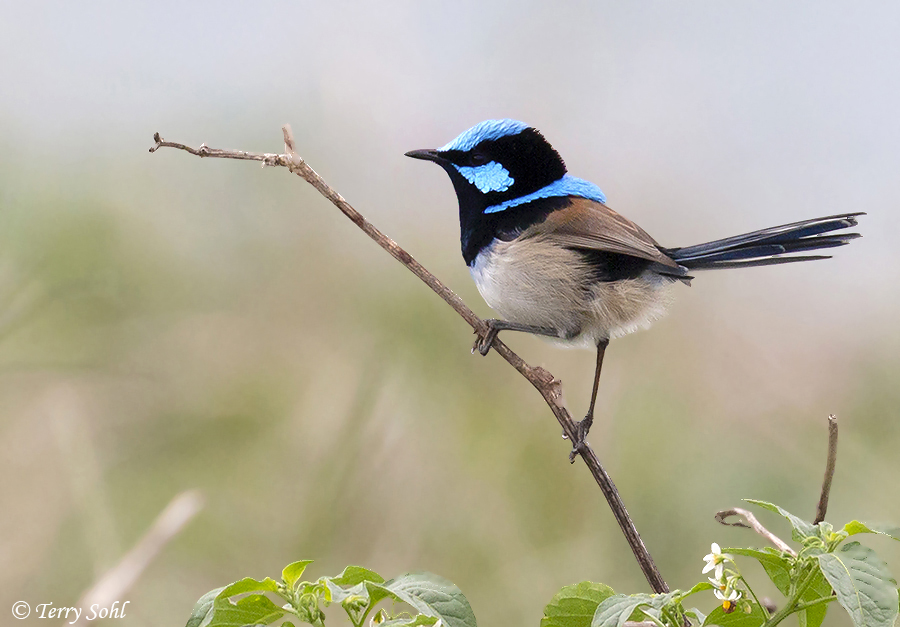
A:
(585, 424)
(483, 344)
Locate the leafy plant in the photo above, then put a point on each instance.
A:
(826, 568)
(358, 590)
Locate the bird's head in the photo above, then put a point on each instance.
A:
(495, 162)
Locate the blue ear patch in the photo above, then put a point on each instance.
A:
(483, 131)
(490, 177)
(566, 186)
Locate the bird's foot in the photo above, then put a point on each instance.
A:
(581, 430)
(484, 342)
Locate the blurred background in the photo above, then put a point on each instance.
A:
(170, 323)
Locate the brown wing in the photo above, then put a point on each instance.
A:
(592, 225)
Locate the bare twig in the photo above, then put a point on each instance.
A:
(206, 151)
(829, 469)
(119, 579)
(754, 524)
(544, 382)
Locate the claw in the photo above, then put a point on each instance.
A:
(582, 428)
(483, 343)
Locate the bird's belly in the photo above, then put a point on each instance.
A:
(540, 283)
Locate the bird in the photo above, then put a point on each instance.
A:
(550, 256)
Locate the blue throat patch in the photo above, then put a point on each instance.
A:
(490, 177)
(566, 186)
(483, 131)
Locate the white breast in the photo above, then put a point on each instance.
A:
(538, 282)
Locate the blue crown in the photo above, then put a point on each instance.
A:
(487, 130)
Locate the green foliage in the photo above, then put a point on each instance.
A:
(819, 588)
(824, 569)
(775, 563)
(357, 590)
(618, 609)
(802, 528)
(203, 608)
(574, 606)
(854, 527)
(862, 583)
(292, 572)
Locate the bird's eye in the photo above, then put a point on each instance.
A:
(478, 158)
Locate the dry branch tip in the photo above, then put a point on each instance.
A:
(753, 523)
(158, 142)
(830, 463)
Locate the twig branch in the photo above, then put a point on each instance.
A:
(544, 382)
(754, 524)
(829, 469)
(206, 151)
(121, 577)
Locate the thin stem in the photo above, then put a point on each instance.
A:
(819, 601)
(750, 590)
(793, 601)
(655, 620)
(543, 381)
(829, 469)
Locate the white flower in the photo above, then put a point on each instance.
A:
(729, 599)
(716, 560)
(717, 583)
(727, 595)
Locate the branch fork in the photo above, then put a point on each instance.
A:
(752, 523)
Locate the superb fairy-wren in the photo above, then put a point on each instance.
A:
(549, 256)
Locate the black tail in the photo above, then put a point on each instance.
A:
(763, 248)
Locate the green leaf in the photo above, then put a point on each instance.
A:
(854, 527)
(574, 606)
(430, 595)
(738, 618)
(818, 588)
(202, 613)
(353, 575)
(377, 592)
(248, 584)
(417, 621)
(254, 609)
(617, 609)
(802, 528)
(698, 616)
(337, 594)
(777, 567)
(863, 584)
(703, 586)
(658, 601)
(292, 572)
